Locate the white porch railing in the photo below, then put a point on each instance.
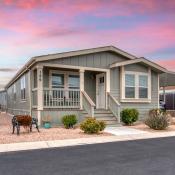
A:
(61, 98)
(114, 106)
(88, 104)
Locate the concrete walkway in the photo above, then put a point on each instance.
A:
(82, 141)
(122, 130)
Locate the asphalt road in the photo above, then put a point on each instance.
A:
(143, 157)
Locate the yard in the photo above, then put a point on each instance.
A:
(60, 133)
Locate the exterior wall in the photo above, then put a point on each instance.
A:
(3, 100)
(98, 60)
(143, 108)
(18, 106)
(90, 84)
(56, 115)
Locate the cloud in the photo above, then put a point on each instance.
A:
(8, 70)
(168, 63)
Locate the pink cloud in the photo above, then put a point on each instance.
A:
(168, 63)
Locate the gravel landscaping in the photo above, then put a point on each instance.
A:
(143, 127)
(60, 133)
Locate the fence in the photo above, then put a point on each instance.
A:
(169, 100)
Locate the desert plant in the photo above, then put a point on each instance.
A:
(92, 126)
(158, 119)
(129, 116)
(69, 121)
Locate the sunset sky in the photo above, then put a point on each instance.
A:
(36, 27)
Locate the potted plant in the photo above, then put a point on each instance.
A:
(46, 122)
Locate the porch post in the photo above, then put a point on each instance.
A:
(40, 92)
(107, 86)
(81, 87)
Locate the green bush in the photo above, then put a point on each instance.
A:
(102, 125)
(158, 119)
(129, 116)
(69, 121)
(92, 126)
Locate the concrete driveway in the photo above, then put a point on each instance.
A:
(141, 157)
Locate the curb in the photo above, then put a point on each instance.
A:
(75, 142)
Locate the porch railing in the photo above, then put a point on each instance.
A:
(114, 106)
(61, 98)
(88, 104)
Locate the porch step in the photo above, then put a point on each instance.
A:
(104, 115)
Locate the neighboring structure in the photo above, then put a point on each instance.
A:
(96, 82)
(167, 90)
(3, 100)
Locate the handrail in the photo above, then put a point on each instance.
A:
(88, 98)
(114, 106)
(88, 104)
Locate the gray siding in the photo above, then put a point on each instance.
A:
(136, 67)
(98, 60)
(18, 106)
(3, 100)
(143, 108)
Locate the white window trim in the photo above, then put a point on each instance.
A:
(136, 99)
(66, 75)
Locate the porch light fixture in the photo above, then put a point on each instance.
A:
(40, 75)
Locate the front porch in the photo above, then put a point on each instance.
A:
(62, 86)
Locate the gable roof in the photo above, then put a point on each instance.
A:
(36, 59)
(140, 60)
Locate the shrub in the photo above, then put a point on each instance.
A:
(158, 119)
(92, 126)
(24, 120)
(129, 116)
(69, 121)
(102, 125)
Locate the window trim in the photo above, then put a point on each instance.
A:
(136, 99)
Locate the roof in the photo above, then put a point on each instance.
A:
(131, 59)
(140, 60)
(167, 79)
(36, 59)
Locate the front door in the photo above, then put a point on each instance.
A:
(100, 91)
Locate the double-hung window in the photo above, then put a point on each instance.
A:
(74, 82)
(143, 86)
(23, 88)
(57, 80)
(130, 86)
(136, 85)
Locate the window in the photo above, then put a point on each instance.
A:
(23, 88)
(57, 80)
(136, 85)
(74, 81)
(129, 86)
(102, 80)
(143, 86)
(14, 92)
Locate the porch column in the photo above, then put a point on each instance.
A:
(81, 87)
(40, 92)
(107, 86)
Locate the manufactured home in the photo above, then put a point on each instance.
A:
(97, 82)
